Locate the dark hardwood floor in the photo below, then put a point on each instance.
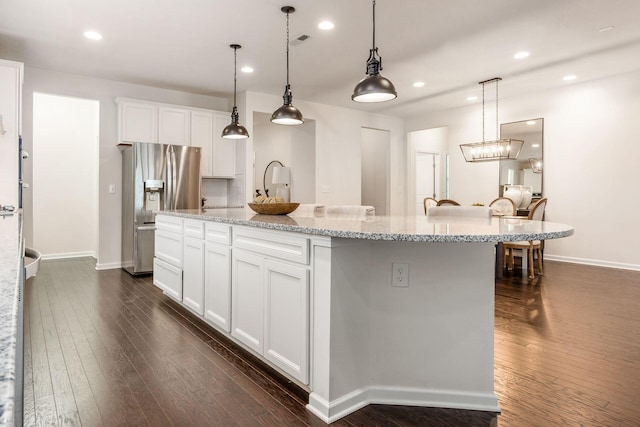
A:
(103, 348)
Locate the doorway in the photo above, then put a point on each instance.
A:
(427, 167)
(427, 178)
(65, 175)
(374, 169)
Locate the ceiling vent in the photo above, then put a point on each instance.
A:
(299, 39)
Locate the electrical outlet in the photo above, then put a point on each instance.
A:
(400, 273)
(112, 189)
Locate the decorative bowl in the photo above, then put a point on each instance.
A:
(273, 208)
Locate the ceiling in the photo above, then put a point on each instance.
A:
(450, 45)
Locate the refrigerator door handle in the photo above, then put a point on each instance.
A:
(174, 178)
(169, 180)
(146, 227)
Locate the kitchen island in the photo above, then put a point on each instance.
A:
(10, 277)
(390, 310)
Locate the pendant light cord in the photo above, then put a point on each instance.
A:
(287, 49)
(235, 73)
(482, 111)
(497, 135)
(374, 25)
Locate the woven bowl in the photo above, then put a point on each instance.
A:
(273, 208)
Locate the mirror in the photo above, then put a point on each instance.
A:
(527, 169)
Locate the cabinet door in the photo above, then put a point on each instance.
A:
(224, 150)
(174, 126)
(246, 299)
(286, 318)
(202, 136)
(138, 122)
(193, 275)
(217, 285)
(168, 247)
(168, 278)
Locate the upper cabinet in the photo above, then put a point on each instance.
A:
(138, 122)
(143, 121)
(174, 126)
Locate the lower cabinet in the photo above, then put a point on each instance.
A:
(168, 278)
(217, 284)
(286, 318)
(193, 277)
(270, 310)
(254, 287)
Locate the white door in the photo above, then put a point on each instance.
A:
(246, 299)
(426, 178)
(217, 285)
(374, 169)
(286, 321)
(202, 136)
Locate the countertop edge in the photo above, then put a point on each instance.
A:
(402, 237)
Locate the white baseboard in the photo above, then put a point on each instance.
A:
(594, 262)
(108, 265)
(69, 255)
(347, 404)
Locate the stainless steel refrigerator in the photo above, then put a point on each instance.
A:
(155, 177)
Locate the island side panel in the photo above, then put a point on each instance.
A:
(430, 344)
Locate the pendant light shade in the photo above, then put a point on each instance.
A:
(287, 114)
(499, 149)
(374, 87)
(235, 130)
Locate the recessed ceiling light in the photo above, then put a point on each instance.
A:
(569, 77)
(521, 55)
(326, 25)
(418, 84)
(535, 145)
(92, 35)
(607, 28)
(246, 69)
(531, 122)
(471, 98)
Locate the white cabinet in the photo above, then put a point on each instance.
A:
(270, 297)
(217, 285)
(247, 299)
(167, 261)
(193, 274)
(224, 150)
(138, 121)
(286, 318)
(10, 109)
(174, 125)
(202, 136)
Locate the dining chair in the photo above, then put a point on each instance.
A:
(535, 213)
(447, 202)
(503, 206)
(429, 202)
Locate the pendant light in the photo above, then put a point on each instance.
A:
(235, 130)
(500, 149)
(287, 114)
(374, 87)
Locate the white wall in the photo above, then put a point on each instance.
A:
(591, 173)
(337, 156)
(105, 91)
(65, 175)
(294, 146)
(375, 169)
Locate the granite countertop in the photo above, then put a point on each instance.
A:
(398, 228)
(10, 254)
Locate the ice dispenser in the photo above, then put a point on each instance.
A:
(153, 190)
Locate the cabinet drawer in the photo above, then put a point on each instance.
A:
(193, 228)
(285, 246)
(168, 278)
(218, 233)
(168, 247)
(169, 223)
